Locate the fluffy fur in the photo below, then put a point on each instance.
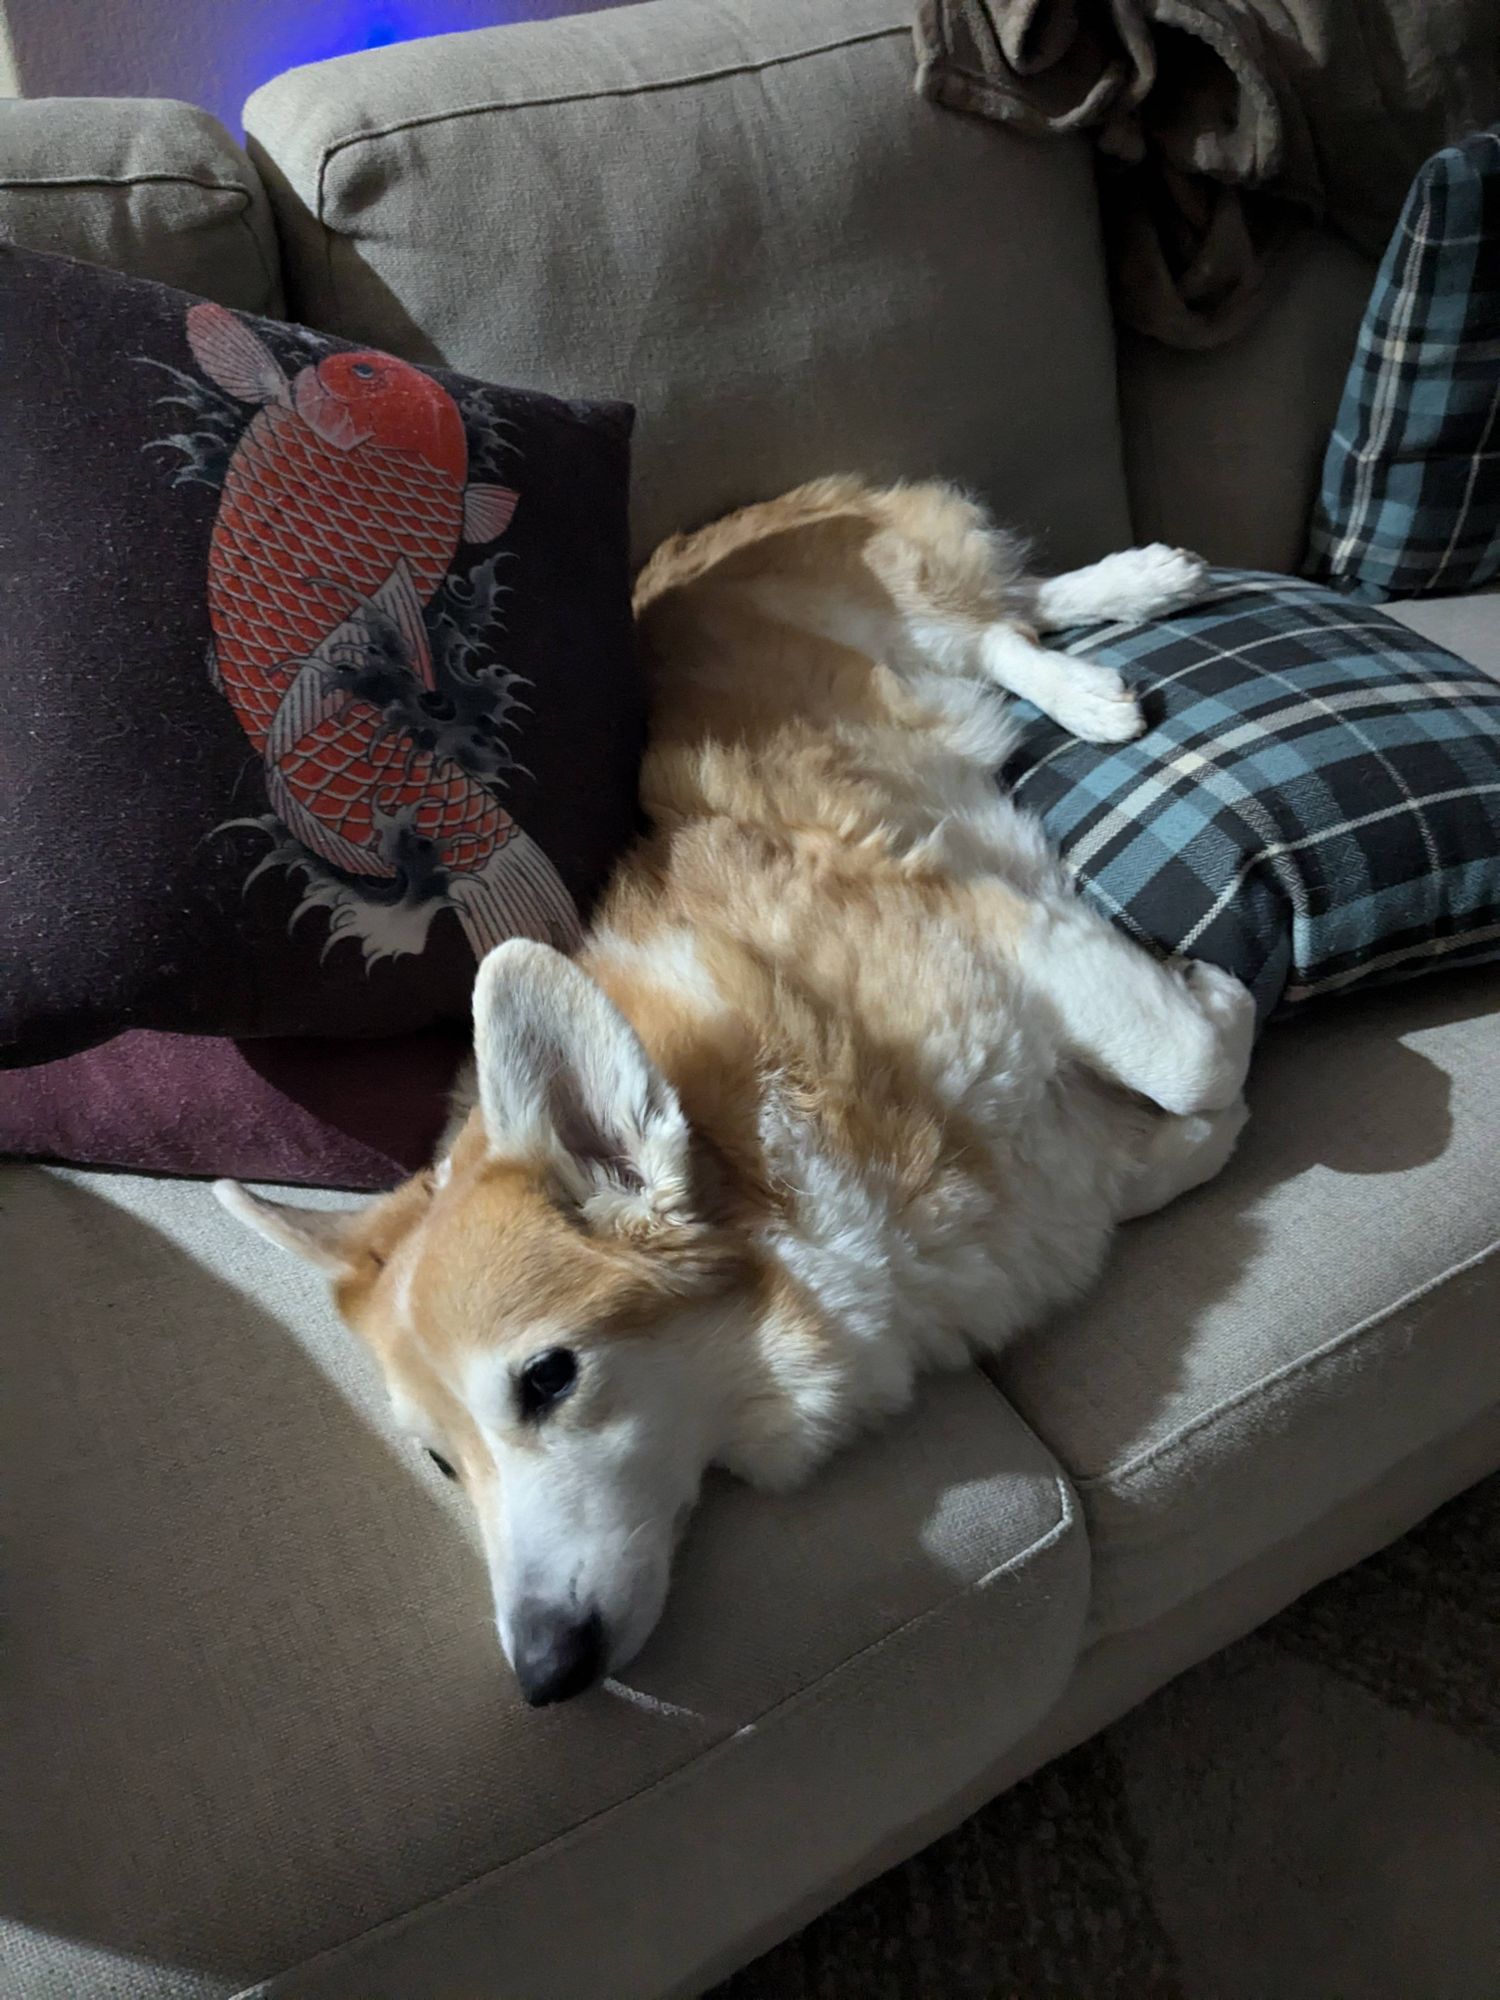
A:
(844, 1084)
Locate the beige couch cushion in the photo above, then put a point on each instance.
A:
(737, 214)
(255, 1708)
(143, 185)
(1272, 1345)
(1468, 626)
(1224, 448)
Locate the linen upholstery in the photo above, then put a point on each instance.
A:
(1468, 626)
(370, 1653)
(251, 1648)
(150, 187)
(739, 209)
(1271, 1344)
(1252, 1359)
(1224, 445)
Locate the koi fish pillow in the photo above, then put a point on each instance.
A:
(318, 670)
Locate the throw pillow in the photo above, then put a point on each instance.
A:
(318, 670)
(1315, 805)
(318, 1113)
(1410, 497)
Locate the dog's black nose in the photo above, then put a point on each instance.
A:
(557, 1655)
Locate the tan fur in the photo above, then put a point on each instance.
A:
(774, 759)
(848, 962)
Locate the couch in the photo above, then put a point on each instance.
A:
(258, 1736)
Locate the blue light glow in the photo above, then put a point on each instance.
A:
(308, 34)
(277, 35)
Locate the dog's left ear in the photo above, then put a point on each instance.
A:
(563, 1079)
(321, 1236)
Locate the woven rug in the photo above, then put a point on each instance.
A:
(1312, 1815)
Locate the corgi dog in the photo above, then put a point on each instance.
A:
(844, 1083)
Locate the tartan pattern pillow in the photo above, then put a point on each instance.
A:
(1315, 804)
(1410, 496)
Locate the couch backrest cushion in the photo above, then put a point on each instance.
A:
(738, 215)
(1223, 446)
(152, 188)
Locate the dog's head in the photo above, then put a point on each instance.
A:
(566, 1319)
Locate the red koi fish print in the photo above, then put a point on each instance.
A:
(343, 507)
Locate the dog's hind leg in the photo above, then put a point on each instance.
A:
(966, 607)
(1180, 1035)
(1183, 1154)
(1134, 584)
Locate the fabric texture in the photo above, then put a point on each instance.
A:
(1224, 445)
(317, 1113)
(1315, 804)
(282, 1652)
(1223, 123)
(1468, 626)
(857, 281)
(145, 186)
(1148, 1862)
(319, 669)
(258, 1708)
(1277, 1341)
(1410, 498)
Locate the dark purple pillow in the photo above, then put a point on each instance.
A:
(320, 1113)
(317, 666)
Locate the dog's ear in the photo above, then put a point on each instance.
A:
(563, 1079)
(322, 1236)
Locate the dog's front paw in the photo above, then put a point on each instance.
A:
(1162, 579)
(1095, 704)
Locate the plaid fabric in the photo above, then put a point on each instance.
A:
(1315, 805)
(1410, 498)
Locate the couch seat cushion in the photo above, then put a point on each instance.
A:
(255, 1705)
(1275, 1343)
(1468, 626)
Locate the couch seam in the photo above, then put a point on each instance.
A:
(122, 181)
(274, 289)
(1299, 1364)
(727, 70)
(127, 181)
(1068, 1518)
(683, 82)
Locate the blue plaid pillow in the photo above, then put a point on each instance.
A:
(1315, 804)
(1410, 499)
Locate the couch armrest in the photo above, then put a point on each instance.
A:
(282, 1676)
(147, 186)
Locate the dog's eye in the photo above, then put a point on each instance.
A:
(546, 1379)
(440, 1462)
